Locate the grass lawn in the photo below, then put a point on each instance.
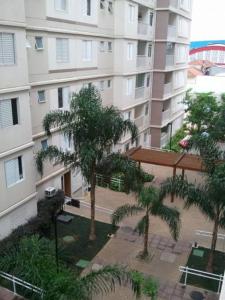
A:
(81, 248)
(200, 263)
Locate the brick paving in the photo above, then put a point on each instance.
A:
(8, 295)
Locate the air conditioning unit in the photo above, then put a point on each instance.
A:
(50, 192)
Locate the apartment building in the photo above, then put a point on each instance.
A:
(134, 52)
(170, 68)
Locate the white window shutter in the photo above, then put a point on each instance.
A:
(129, 86)
(12, 171)
(84, 7)
(62, 50)
(66, 98)
(6, 113)
(7, 49)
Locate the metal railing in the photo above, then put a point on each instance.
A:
(17, 281)
(104, 181)
(139, 92)
(208, 234)
(202, 274)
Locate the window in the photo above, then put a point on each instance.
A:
(146, 109)
(149, 50)
(129, 86)
(151, 16)
(87, 50)
(130, 50)
(7, 49)
(41, 96)
(109, 83)
(102, 46)
(131, 13)
(44, 144)
(87, 85)
(102, 85)
(110, 46)
(148, 80)
(61, 5)
(88, 11)
(145, 137)
(64, 97)
(127, 115)
(110, 7)
(8, 113)
(14, 171)
(102, 4)
(39, 43)
(127, 146)
(179, 79)
(62, 50)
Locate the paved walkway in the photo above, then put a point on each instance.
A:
(166, 254)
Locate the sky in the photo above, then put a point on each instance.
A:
(208, 20)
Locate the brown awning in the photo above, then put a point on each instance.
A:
(183, 161)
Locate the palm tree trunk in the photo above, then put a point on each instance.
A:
(92, 235)
(213, 246)
(145, 251)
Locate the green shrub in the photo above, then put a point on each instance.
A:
(40, 224)
(148, 177)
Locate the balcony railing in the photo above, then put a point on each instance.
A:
(172, 31)
(139, 92)
(166, 115)
(167, 88)
(164, 139)
(143, 28)
(143, 61)
(169, 60)
(139, 122)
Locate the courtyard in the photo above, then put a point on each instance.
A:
(166, 255)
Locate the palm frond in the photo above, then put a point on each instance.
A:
(147, 196)
(140, 227)
(57, 118)
(106, 279)
(52, 153)
(170, 216)
(125, 211)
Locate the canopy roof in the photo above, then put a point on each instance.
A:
(183, 161)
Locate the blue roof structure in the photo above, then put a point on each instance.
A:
(200, 44)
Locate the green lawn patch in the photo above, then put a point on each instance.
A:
(80, 248)
(198, 260)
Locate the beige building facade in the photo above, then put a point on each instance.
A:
(134, 52)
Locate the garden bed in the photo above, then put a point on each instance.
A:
(199, 262)
(76, 245)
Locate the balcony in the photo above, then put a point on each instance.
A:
(139, 122)
(166, 116)
(143, 61)
(139, 92)
(168, 88)
(164, 139)
(172, 31)
(143, 28)
(169, 60)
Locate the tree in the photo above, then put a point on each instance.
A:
(201, 109)
(32, 260)
(149, 202)
(208, 197)
(93, 130)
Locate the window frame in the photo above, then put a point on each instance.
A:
(14, 119)
(60, 9)
(38, 93)
(67, 59)
(85, 51)
(20, 166)
(36, 44)
(14, 48)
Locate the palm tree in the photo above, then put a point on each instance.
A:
(149, 202)
(32, 259)
(93, 130)
(208, 197)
